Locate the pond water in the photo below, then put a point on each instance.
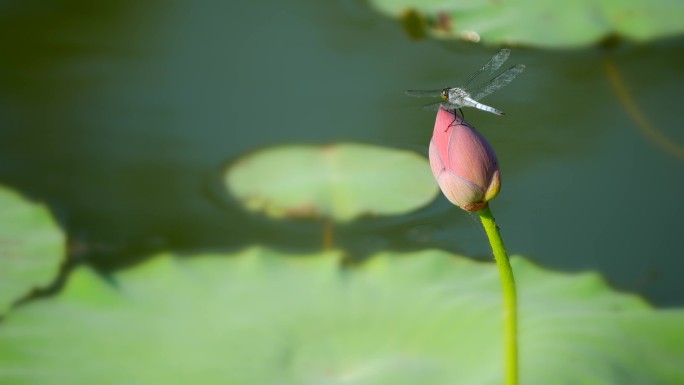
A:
(123, 114)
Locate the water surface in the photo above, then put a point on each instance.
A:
(123, 114)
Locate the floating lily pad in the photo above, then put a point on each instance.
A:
(259, 318)
(31, 247)
(341, 182)
(538, 22)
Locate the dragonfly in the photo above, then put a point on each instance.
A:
(474, 88)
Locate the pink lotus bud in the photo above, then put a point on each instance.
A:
(463, 163)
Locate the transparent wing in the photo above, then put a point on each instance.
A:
(492, 65)
(424, 93)
(434, 106)
(498, 82)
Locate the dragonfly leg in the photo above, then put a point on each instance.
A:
(452, 124)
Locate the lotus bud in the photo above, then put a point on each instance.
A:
(463, 163)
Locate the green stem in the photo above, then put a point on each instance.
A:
(509, 297)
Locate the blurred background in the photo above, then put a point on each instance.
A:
(122, 116)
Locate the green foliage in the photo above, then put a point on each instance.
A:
(341, 181)
(538, 22)
(31, 246)
(257, 317)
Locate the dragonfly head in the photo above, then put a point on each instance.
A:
(445, 94)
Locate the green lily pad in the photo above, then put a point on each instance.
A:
(31, 247)
(342, 181)
(259, 318)
(538, 22)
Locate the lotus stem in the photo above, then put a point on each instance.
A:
(510, 313)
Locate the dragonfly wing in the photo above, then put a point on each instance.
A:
(492, 65)
(434, 106)
(498, 82)
(424, 93)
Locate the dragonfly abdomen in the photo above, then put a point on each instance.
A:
(473, 103)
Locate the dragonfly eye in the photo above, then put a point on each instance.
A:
(445, 94)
